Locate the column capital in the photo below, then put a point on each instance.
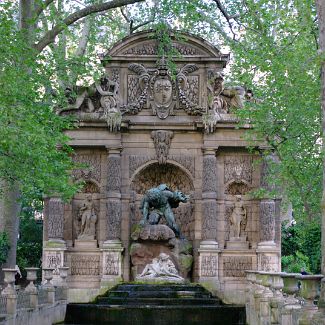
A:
(114, 150)
(209, 150)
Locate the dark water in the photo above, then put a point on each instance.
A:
(145, 304)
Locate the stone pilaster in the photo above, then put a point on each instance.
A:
(112, 248)
(209, 250)
(54, 212)
(113, 204)
(209, 195)
(267, 221)
(209, 264)
(268, 254)
(54, 248)
(112, 263)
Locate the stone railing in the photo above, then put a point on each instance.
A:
(31, 305)
(277, 298)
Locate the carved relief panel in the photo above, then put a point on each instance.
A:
(112, 263)
(53, 259)
(209, 266)
(267, 220)
(238, 174)
(81, 264)
(90, 169)
(55, 216)
(235, 266)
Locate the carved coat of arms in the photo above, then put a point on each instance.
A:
(162, 92)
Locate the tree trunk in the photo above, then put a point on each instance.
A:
(9, 220)
(320, 4)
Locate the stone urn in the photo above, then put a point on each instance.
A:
(9, 279)
(31, 277)
(48, 276)
(309, 291)
(309, 287)
(290, 286)
(63, 270)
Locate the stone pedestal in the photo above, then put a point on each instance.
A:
(152, 240)
(84, 244)
(111, 263)
(268, 257)
(53, 257)
(237, 243)
(209, 264)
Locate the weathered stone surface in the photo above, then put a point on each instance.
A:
(139, 129)
(153, 232)
(179, 250)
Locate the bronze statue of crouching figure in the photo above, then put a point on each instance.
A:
(158, 202)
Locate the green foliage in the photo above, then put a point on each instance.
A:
(301, 246)
(31, 131)
(275, 56)
(4, 247)
(294, 263)
(29, 246)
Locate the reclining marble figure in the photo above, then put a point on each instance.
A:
(158, 202)
(161, 267)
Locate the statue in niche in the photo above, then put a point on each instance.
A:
(237, 218)
(161, 268)
(158, 202)
(88, 218)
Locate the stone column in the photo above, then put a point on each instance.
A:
(209, 250)
(55, 246)
(112, 248)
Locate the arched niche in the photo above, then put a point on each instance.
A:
(177, 179)
(237, 188)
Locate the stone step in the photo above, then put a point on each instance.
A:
(160, 287)
(157, 294)
(156, 304)
(158, 301)
(92, 314)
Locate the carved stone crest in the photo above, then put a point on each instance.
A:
(162, 91)
(155, 88)
(162, 141)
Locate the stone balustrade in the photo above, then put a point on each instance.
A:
(279, 298)
(31, 305)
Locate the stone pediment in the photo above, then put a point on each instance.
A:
(144, 44)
